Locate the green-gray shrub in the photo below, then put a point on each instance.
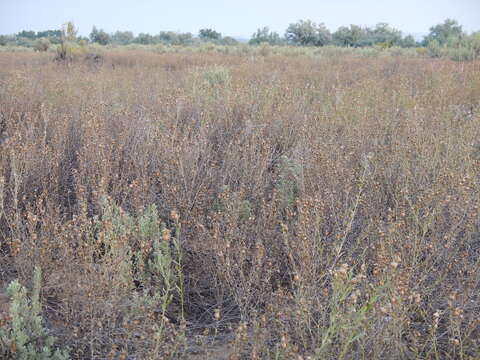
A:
(434, 49)
(289, 181)
(42, 44)
(160, 270)
(25, 337)
(461, 54)
(216, 75)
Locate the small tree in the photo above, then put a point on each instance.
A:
(122, 37)
(144, 39)
(167, 37)
(385, 34)
(324, 37)
(409, 41)
(354, 36)
(473, 42)
(99, 36)
(302, 33)
(307, 33)
(174, 38)
(265, 36)
(209, 35)
(69, 31)
(443, 32)
(342, 37)
(185, 38)
(434, 49)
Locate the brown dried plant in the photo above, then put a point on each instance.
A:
(274, 207)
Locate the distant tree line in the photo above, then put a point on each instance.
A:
(164, 37)
(304, 33)
(33, 39)
(308, 33)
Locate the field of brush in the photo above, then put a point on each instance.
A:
(216, 206)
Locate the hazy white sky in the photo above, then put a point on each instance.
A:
(235, 18)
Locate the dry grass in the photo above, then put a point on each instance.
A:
(311, 207)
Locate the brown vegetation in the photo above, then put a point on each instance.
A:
(308, 207)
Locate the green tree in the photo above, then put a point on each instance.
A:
(228, 40)
(144, 39)
(442, 33)
(324, 36)
(174, 38)
(264, 35)
(209, 35)
(308, 33)
(385, 34)
(302, 33)
(434, 49)
(354, 36)
(408, 41)
(342, 37)
(122, 37)
(69, 31)
(27, 34)
(99, 36)
(185, 38)
(473, 42)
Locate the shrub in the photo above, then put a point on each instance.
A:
(24, 337)
(289, 181)
(434, 49)
(265, 49)
(422, 51)
(148, 255)
(42, 44)
(461, 54)
(216, 75)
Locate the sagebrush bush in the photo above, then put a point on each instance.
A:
(42, 44)
(216, 76)
(23, 336)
